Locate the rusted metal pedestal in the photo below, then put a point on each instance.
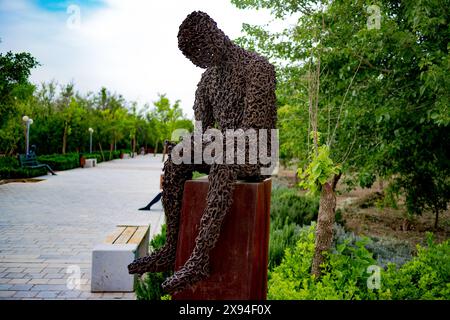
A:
(239, 260)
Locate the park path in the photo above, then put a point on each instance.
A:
(49, 226)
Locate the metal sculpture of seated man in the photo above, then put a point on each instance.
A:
(237, 91)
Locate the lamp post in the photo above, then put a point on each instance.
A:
(28, 122)
(90, 139)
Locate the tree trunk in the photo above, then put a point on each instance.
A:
(164, 152)
(436, 220)
(111, 148)
(64, 140)
(101, 151)
(156, 148)
(324, 228)
(336, 179)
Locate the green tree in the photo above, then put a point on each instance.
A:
(167, 118)
(15, 90)
(384, 92)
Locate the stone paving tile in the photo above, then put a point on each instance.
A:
(15, 269)
(54, 276)
(38, 281)
(48, 294)
(70, 294)
(14, 275)
(112, 295)
(26, 294)
(33, 270)
(49, 226)
(7, 294)
(21, 287)
(57, 281)
(5, 286)
(49, 287)
(19, 281)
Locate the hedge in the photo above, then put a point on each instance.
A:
(60, 161)
(10, 166)
(17, 173)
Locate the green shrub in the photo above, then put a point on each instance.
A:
(288, 206)
(113, 155)
(149, 286)
(61, 161)
(289, 210)
(18, 173)
(384, 250)
(196, 175)
(345, 273)
(159, 240)
(9, 162)
(94, 155)
(425, 277)
(280, 239)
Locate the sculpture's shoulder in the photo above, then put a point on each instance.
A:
(207, 81)
(256, 65)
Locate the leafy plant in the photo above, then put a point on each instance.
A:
(319, 170)
(61, 162)
(289, 206)
(345, 272)
(17, 173)
(9, 162)
(425, 277)
(281, 239)
(148, 286)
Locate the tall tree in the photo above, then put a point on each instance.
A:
(384, 87)
(15, 90)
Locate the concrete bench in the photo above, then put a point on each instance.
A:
(110, 259)
(90, 163)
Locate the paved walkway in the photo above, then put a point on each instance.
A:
(48, 228)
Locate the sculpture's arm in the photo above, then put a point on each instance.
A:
(260, 99)
(202, 107)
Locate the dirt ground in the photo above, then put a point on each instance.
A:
(363, 213)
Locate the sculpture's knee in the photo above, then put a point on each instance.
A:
(175, 174)
(222, 173)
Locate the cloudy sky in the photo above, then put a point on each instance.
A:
(128, 46)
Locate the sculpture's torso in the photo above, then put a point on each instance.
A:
(225, 88)
(228, 99)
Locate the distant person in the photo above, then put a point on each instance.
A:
(155, 200)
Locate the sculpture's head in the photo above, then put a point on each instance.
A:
(201, 41)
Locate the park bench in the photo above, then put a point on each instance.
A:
(110, 259)
(90, 163)
(30, 161)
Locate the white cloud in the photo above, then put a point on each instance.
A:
(130, 46)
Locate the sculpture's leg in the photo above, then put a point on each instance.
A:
(172, 196)
(220, 195)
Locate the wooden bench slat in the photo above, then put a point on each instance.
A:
(126, 235)
(138, 235)
(116, 234)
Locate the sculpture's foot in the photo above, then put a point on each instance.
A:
(188, 275)
(159, 261)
